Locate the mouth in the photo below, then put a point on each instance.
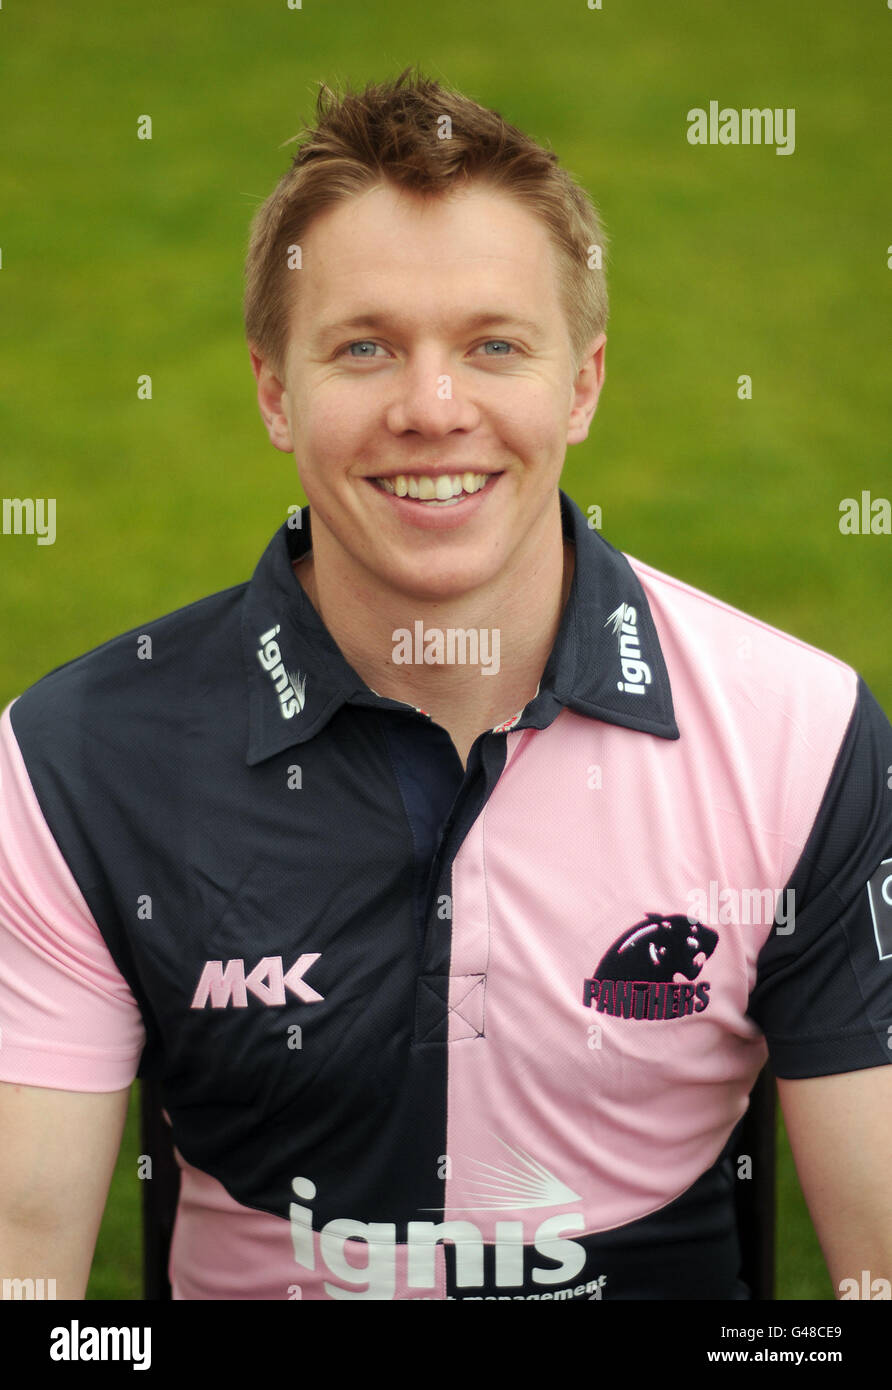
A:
(445, 490)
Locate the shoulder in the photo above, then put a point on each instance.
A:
(122, 688)
(712, 647)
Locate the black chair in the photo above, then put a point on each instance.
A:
(754, 1196)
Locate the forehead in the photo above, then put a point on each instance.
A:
(425, 258)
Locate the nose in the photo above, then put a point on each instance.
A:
(428, 398)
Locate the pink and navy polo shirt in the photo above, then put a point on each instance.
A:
(433, 1032)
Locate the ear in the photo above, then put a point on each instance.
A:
(272, 398)
(586, 390)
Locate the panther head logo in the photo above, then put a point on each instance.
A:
(659, 948)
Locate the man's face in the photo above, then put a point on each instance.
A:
(428, 342)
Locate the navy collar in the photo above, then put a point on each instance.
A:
(606, 661)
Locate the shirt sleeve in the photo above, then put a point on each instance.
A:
(68, 1019)
(823, 990)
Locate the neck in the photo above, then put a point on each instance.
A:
(465, 699)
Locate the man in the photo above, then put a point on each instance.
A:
(397, 865)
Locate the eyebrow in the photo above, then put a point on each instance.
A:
(375, 322)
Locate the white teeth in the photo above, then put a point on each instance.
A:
(445, 488)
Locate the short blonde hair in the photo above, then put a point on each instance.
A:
(389, 132)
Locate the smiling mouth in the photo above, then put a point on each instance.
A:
(443, 491)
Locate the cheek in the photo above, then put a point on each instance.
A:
(533, 420)
(327, 429)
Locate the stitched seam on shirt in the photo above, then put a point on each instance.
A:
(482, 1032)
(477, 982)
(438, 995)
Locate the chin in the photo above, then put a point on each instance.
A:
(441, 588)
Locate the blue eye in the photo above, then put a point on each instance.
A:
(369, 343)
(361, 342)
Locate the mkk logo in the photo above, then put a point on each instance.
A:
(267, 982)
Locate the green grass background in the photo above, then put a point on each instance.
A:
(121, 257)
